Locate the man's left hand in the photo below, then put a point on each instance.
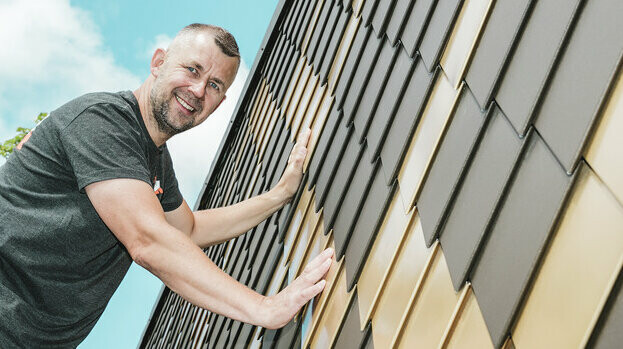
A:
(291, 178)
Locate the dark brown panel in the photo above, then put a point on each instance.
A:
(389, 101)
(364, 233)
(437, 31)
(361, 77)
(223, 336)
(536, 53)
(281, 164)
(582, 80)
(334, 43)
(327, 6)
(276, 53)
(478, 196)
(381, 16)
(265, 256)
(286, 213)
(283, 87)
(397, 19)
(282, 68)
(331, 162)
(493, 47)
(350, 64)
(272, 261)
(323, 145)
(372, 90)
(415, 24)
(304, 23)
(244, 337)
(447, 167)
(351, 206)
(326, 36)
(280, 58)
(518, 237)
(369, 6)
(332, 197)
(349, 335)
(407, 117)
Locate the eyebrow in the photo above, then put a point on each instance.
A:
(215, 79)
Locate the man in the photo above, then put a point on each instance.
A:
(93, 188)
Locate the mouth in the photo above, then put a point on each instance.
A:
(185, 106)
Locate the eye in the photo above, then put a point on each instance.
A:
(214, 85)
(192, 70)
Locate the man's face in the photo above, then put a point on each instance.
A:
(190, 82)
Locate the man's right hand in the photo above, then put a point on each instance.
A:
(279, 309)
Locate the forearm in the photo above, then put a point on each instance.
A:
(185, 269)
(216, 225)
(221, 224)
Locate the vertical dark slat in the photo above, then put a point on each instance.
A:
(494, 45)
(415, 24)
(594, 63)
(390, 99)
(479, 196)
(361, 76)
(536, 52)
(518, 237)
(372, 91)
(397, 19)
(322, 147)
(336, 38)
(406, 119)
(448, 166)
(325, 36)
(351, 206)
(350, 64)
(374, 206)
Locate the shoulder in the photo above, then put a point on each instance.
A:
(96, 108)
(99, 103)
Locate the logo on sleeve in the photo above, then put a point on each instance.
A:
(157, 189)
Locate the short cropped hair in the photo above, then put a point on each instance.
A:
(223, 39)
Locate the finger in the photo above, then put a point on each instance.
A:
(312, 291)
(301, 141)
(312, 276)
(297, 151)
(319, 259)
(303, 137)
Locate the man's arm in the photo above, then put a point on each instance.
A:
(212, 226)
(132, 212)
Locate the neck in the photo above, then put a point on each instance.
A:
(142, 95)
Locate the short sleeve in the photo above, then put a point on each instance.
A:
(171, 196)
(104, 142)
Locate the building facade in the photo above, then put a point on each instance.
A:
(465, 163)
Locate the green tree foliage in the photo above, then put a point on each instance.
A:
(7, 147)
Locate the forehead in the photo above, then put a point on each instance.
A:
(200, 49)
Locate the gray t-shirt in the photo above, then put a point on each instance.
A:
(59, 263)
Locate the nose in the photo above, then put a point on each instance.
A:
(198, 88)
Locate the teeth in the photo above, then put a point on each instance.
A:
(184, 104)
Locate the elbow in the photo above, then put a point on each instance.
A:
(141, 257)
(141, 250)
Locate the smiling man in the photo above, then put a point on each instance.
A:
(93, 188)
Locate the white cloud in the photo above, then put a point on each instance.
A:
(193, 151)
(161, 41)
(51, 52)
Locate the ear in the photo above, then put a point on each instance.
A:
(157, 60)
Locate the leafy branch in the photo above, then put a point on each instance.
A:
(7, 147)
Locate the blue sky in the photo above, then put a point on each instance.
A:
(55, 50)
